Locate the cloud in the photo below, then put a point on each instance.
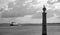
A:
(53, 19)
(57, 6)
(38, 4)
(28, 16)
(27, 20)
(4, 4)
(28, 1)
(53, 1)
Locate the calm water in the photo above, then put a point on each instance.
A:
(28, 30)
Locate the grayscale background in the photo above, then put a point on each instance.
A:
(27, 15)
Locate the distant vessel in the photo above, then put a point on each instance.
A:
(12, 24)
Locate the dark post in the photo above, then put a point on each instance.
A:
(44, 26)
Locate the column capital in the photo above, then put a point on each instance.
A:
(44, 8)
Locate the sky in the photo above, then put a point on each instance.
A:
(30, 11)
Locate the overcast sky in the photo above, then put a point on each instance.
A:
(31, 9)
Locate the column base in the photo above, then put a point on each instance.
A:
(44, 34)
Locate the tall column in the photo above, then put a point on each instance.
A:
(44, 28)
